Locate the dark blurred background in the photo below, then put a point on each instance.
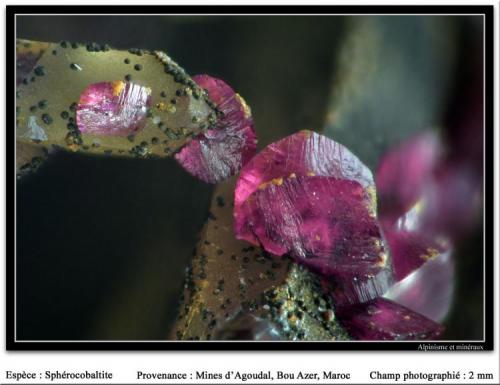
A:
(102, 243)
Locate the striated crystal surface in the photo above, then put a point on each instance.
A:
(326, 224)
(325, 221)
(311, 198)
(221, 151)
(305, 153)
(382, 319)
(351, 285)
(114, 108)
(404, 173)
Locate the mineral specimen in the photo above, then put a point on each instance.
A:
(221, 151)
(113, 108)
(311, 198)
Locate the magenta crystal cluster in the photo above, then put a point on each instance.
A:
(420, 224)
(221, 151)
(311, 198)
(114, 108)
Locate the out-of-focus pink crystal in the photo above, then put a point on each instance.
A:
(423, 265)
(404, 173)
(420, 238)
(410, 250)
(429, 289)
(114, 108)
(452, 202)
(382, 319)
(221, 151)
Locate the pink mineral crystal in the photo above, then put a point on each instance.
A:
(311, 198)
(305, 153)
(323, 220)
(420, 238)
(411, 249)
(404, 172)
(453, 201)
(350, 285)
(221, 151)
(382, 319)
(429, 289)
(114, 108)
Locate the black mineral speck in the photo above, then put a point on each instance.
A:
(33, 108)
(74, 45)
(155, 140)
(47, 119)
(138, 67)
(128, 77)
(54, 52)
(64, 44)
(42, 104)
(73, 107)
(39, 70)
(74, 66)
(73, 138)
(220, 201)
(135, 51)
(163, 94)
(93, 47)
(127, 60)
(65, 115)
